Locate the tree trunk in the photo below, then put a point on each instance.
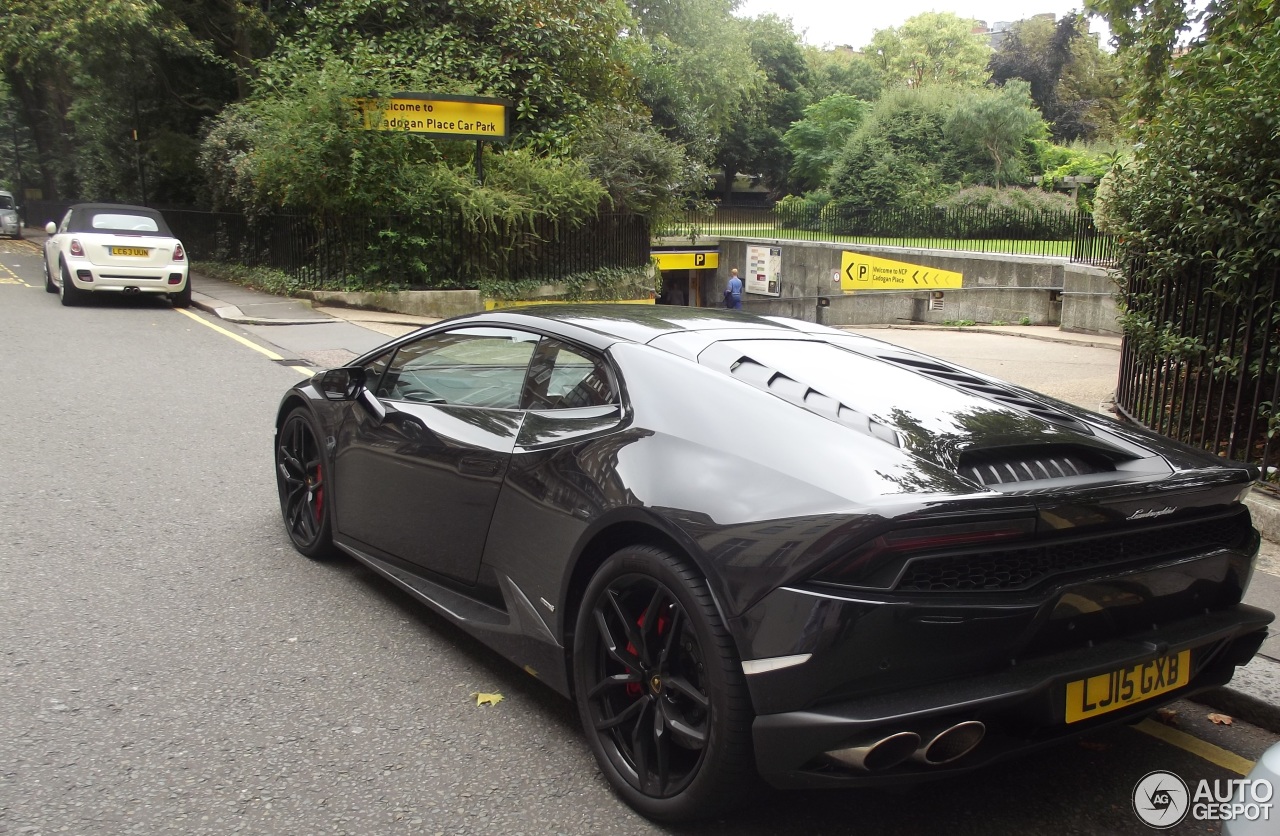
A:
(44, 106)
(726, 196)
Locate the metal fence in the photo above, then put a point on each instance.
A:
(322, 252)
(1202, 367)
(1024, 232)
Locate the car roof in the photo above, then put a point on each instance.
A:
(115, 207)
(643, 323)
(79, 210)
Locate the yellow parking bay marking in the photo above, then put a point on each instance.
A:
(1215, 755)
(11, 277)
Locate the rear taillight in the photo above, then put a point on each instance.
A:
(178, 254)
(76, 249)
(878, 562)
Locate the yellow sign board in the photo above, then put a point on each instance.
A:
(465, 117)
(866, 272)
(686, 260)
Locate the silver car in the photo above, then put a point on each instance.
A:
(9, 223)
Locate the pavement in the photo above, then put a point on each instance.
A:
(335, 336)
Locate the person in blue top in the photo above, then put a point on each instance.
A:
(733, 293)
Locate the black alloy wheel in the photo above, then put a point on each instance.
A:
(300, 477)
(660, 689)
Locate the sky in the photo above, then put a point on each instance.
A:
(833, 22)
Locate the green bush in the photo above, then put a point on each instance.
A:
(803, 212)
(1016, 200)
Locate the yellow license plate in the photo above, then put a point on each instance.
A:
(1112, 691)
(138, 251)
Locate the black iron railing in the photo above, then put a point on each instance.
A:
(1023, 232)
(1203, 366)
(440, 252)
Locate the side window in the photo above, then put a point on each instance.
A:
(564, 377)
(470, 367)
(374, 369)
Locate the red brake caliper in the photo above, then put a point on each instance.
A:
(319, 493)
(635, 689)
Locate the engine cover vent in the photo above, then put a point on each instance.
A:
(992, 391)
(1031, 468)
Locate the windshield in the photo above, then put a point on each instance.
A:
(6, 202)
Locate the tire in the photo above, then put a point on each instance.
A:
(182, 299)
(304, 500)
(660, 689)
(49, 286)
(68, 292)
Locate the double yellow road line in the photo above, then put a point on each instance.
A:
(249, 343)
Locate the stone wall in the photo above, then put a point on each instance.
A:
(996, 287)
(1089, 300)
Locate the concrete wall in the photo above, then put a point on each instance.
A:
(437, 303)
(996, 287)
(1089, 300)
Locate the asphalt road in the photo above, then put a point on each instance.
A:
(168, 664)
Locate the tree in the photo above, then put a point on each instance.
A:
(754, 144)
(87, 74)
(690, 59)
(815, 141)
(899, 157)
(931, 48)
(1201, 184)
(1090, 97)
(1145, 33)
(841, 70)
(1072, 81)
(1000, 123)
(555, 60)
(642, 171)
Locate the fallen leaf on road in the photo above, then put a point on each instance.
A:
(1221, 719)
(1168, 716)
(487, 699)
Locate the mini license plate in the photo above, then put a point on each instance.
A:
(141, 252)
(1112, 691)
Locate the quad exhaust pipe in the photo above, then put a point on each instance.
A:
(877, 753)
(950, 743)
(937, 747)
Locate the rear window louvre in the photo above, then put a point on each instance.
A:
(793, 391)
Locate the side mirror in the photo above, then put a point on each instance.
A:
(343, 384)
(51, 228)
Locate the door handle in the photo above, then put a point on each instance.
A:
(473, 466)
